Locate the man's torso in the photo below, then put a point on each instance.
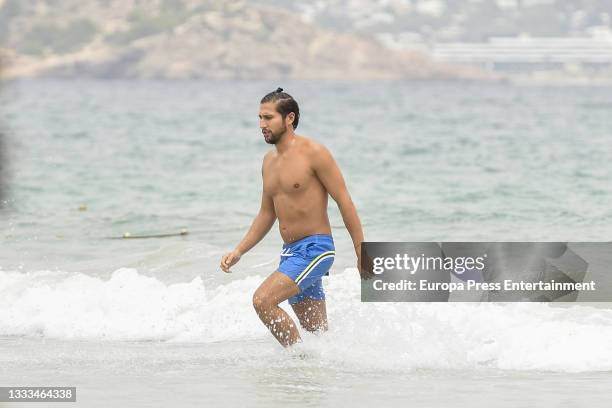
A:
(300, 199)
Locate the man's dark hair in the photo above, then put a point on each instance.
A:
(284, 104)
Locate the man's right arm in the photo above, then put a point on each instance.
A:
(259, 228)
(261, 224)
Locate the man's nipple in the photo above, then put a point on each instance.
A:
(296, 185)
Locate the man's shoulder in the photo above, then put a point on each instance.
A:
(311, 146)
(265, 162)
(268, 155)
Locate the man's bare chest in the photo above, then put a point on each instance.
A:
(291, 175)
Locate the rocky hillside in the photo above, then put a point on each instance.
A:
(182, 39)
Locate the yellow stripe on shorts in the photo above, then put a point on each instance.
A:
(313, 264)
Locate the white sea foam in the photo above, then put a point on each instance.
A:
(131, 306)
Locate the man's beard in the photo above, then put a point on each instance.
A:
(273, 138)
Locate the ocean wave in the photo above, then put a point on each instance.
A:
(131, 306)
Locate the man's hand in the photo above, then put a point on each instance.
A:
(230, 259)
(358, 253)
(365, 273)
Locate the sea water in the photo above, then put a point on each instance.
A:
(154, 322)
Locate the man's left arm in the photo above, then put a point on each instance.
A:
(328, 172)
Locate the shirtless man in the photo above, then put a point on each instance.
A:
(297, 177)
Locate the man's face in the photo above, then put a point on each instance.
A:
(271, 123)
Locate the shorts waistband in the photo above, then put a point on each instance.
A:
(310, 238)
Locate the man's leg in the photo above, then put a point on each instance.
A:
(312, 314)
(277, 288)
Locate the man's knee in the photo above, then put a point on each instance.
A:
(313, 324)
(261, 302)
(312, 315)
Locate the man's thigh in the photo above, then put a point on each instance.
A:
(276, 288)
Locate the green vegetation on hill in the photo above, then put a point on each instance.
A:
(8, 10)
(58, 39)
(143, 23)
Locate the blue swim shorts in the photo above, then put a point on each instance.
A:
(305, 261)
